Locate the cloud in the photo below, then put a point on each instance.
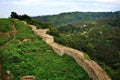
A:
(54, 2)
(43, 7)
(44, 3)
(25, 2)
(109, 1)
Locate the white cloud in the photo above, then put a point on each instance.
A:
(25, 2)
(105, 0)
(54, 2)
(45, 3)
(38, 7)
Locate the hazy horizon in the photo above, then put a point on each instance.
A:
(52, 7)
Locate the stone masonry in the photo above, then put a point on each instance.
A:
(90, 66)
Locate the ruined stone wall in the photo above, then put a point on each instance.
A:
(90, 66)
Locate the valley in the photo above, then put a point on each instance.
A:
(26, 53)
(97, 36)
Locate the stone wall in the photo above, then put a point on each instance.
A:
(90, 66)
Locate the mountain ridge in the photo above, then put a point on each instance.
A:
(66, 18)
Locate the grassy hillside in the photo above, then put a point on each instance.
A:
(27, 54)
(66, 18)
(100, 39)
(5, 31)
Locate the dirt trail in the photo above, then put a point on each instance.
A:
(14, 30)
(14, 35)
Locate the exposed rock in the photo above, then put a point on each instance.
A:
(26, 40)
(28, 78)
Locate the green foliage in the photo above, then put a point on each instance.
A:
(68, 28)
(14, 15)
(35, 57)
(24, 17)
(5, 25)
(24, 29)
(5, 28)
(27, 18)
(100, 39)
(68, 18)
(52, 30)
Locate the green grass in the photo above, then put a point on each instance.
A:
(36, 58)
(5, 26)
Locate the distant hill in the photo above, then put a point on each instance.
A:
(100, 39)
(70, 17)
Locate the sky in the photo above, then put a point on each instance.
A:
(49, 7)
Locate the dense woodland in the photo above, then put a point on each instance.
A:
(100, 41)
(95, 33)
(66, 18)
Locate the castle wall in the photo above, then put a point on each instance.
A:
(90, 66)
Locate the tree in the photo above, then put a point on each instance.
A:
(25, 17)
(52, 30)
(14, 15)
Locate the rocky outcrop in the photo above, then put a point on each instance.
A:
(90, 66)
(28, 78)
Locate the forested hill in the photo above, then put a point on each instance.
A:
(66, 18)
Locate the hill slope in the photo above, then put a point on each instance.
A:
(66, 18)
(100, 39)
(27, 54)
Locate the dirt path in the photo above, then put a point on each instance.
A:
(14, 30)
(14, 36)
